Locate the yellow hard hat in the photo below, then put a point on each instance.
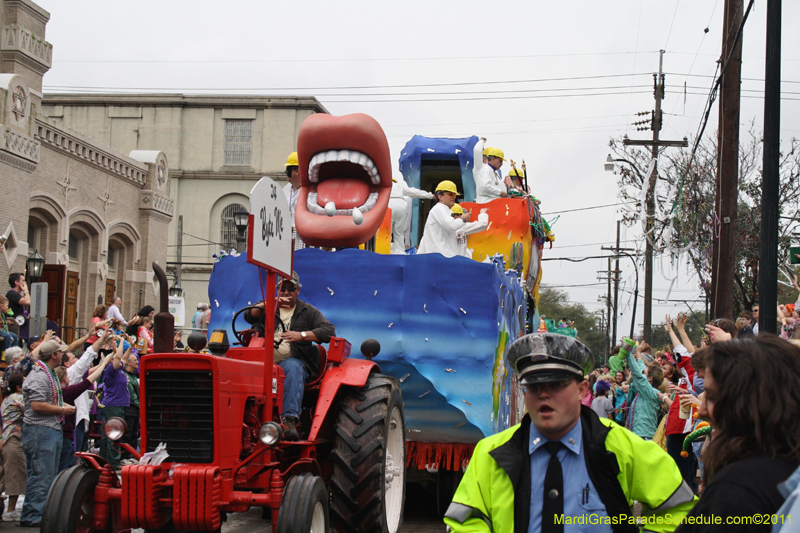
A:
(496, 152)
(457, 210)
(292, 161)
(448, 186)
(487, 150)
(516, 172)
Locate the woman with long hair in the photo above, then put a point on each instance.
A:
(752, 399)
(99, 318)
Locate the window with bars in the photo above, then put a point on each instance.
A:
(238, 142)
(228, 232)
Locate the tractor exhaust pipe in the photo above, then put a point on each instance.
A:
(164, 322)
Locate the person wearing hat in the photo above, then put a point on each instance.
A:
(399, 203)
(489, 183)
(479, 157)
(469, 228)
(439, 235)
(298, 325)
(292, 190)
(563, 465)
(44, 412)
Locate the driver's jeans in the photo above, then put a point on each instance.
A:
(294, 384)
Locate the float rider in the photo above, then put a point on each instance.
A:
(298, 325)
(489, 184)
(439, 235)
(563, 464)
(292, 190)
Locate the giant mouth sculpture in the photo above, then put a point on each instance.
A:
(345, 177)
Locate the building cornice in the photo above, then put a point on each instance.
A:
(29, 7)
(186, 100)
(87, 150)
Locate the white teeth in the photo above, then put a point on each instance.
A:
(358, 218)
(352, 156)
(330, 208)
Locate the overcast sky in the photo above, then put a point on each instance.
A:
(547, 82)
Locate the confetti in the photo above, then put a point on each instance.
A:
(424, 394)
(459, 425)
(376, 292)
(216, 302)
(449, 370)
(425, 307)
(462, 310)
(489, 226)
(426, 339)
(332, 289)
(415, 430)
(509, 235)
(391, 324)
(466, 402)
(404, 378)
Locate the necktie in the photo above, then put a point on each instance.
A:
(553, 504)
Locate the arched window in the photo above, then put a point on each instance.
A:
(228, 233)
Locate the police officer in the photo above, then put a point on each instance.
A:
(563, 468)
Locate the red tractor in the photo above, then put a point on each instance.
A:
(219, 418)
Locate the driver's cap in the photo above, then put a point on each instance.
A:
(544, 357)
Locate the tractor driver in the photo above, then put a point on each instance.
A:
(297, 326)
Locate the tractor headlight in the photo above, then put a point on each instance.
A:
(270, 433)
(115, 428)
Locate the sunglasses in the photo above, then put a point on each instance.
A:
(551, 386)
(288, 288)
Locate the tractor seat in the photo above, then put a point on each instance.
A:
(323, 361)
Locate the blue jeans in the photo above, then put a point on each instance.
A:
(67, 458)
(294, 385)
(9, 340)
(43, 448)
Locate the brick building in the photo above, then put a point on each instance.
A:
(98, 217)
(218, 148)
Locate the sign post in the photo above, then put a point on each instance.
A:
(269, 246)
(38, 316)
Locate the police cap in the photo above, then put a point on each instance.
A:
(543, 357)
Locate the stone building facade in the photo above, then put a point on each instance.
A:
(98, 217)
(218, 148)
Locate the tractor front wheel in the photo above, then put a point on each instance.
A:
(70, 502)
(304, 507)
(368, 480)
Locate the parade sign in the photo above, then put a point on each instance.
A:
(178, 310)
(269, 231)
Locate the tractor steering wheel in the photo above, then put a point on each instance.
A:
(240, 334)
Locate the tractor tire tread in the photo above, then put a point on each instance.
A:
(359, 455)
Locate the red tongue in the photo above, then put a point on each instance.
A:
(346, 193)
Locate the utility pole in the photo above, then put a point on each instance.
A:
(607, 298)
(768, 268)
(179, 253)
(650, 203)
(616, 287)
(723, 263)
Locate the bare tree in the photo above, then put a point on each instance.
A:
(685, 221)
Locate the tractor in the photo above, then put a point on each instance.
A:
(218, 414)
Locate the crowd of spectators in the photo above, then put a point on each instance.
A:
(744, 385)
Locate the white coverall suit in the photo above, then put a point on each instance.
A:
(469, 228)
(291, 199)
(440, 232)
(400, 204)
(488, 185)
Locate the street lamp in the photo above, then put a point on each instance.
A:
(240, 221)
(176, 290)
(35, 266)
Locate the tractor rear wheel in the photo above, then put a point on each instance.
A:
(304, 507)
(70, 502)
(368, 480)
